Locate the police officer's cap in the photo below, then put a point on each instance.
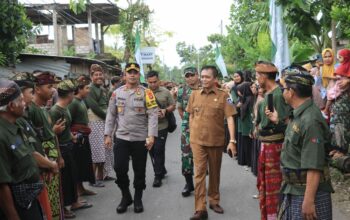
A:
(132, 66)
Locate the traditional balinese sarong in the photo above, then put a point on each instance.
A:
(291, 207)
(44, 201)
(269, 179)
(96, 139)
(53, 188)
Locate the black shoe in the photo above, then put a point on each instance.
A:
(188, 187)
(138, 206)
(157, 182)
(125, 202)
(186, 192)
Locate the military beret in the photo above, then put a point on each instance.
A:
(44, 78)
(83, 80)
(265, 67)
(66, 85)
(132, 66)
(95, 68)
(9, 91)
(190, 69)
(298, 75)
(24, 80)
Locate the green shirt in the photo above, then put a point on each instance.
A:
(56, 113)
(246, 124)
(279, 104)
(78, 112)
(97, 101)
(165, 99)
(304, 147)
(41, 122)
(16, 161)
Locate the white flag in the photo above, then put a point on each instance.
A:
(138, 57)
(219, 60)
(279, 37)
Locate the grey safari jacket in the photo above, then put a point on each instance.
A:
(134, 114)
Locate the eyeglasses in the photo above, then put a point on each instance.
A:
(190, 75)
(284, 88)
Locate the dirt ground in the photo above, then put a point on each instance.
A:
(341, 197)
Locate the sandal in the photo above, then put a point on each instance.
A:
(83, 206)
(68, 214)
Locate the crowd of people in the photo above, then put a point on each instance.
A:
(57, 134)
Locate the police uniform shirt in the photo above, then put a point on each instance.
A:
(134, 113)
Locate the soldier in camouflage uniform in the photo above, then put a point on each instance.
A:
(192, 83)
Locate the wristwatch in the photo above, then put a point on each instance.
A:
(233, 141)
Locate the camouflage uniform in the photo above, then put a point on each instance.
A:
(186, 152)
(340, 123)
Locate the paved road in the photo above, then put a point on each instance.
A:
(237, 188)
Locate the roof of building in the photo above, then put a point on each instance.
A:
(104, 13)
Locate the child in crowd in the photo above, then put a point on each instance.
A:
(343, 71)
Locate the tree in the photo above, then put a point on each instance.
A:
(341, 13)
(15, 30)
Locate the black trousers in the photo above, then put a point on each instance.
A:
(69, 176)
(123, 150)
(158, 154)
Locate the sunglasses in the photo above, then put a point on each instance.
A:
(284, 88)
(189, 75)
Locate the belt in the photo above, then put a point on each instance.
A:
(271, 138)
(298, 176)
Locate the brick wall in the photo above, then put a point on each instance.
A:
(49, 48)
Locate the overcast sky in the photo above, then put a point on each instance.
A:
(190, 21)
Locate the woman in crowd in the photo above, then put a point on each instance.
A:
(246, 124)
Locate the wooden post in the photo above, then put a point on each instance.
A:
(102, 42)
(97, 38)
(55, 32)
(91, 45)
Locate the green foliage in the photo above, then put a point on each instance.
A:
(15, 29)
(91, 55)
(302, 23)
(77, 6)
(2, 59)
(341, 13)
(34, 50)
(70, 51)
(300, 51)
(187, 53)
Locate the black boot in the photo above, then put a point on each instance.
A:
(138, 206)
(125, 202)
(188, 187)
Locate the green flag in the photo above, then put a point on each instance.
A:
(219, 60)
(138, 57)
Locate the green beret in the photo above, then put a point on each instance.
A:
(190, 69)
(9, 91)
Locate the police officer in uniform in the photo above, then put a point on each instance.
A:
(17, 166)
(192, 83)
(306, 185)
(133, 111)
